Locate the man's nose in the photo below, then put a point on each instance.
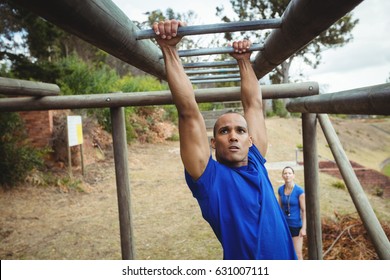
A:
(232, 137)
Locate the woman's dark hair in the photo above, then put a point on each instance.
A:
(289, 168)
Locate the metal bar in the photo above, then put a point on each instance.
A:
(312, 196)
(148, 98)
(22, 87)
(373, 100)
(217, 28)
(216, 81)
(209, 51)
(362, 204)
(122, 182)
(210, 64)
(210, 77)
(209, 71)
(105, 26)
(303, 21)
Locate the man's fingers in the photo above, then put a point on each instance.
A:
(167, 29)
(241, 46)
(174, 27)
(155, 28)
(161, 29)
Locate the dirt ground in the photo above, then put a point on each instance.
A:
(63, 223)
(81, 222)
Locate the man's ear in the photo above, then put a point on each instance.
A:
(251, 141)
(212, 142)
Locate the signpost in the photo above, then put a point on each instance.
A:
(75, 137)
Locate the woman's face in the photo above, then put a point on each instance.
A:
(288, 175)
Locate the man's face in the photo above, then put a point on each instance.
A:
(231, 141)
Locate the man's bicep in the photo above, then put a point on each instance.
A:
(194, 146)
(257, 129)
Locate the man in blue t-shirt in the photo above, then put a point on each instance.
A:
(234, 193)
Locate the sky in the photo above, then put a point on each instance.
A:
(363, 62)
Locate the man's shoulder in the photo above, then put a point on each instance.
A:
(254, 152)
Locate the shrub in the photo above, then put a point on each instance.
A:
(18, 157)
(339, 185)
(278, 108)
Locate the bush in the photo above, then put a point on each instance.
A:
(339, 185)
(18, 158)
(278, 108)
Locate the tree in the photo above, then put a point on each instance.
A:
(337, 35)
(30, 46)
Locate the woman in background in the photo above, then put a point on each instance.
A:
(292, 202)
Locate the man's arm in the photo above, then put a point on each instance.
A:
(251, 97)
(194, 146)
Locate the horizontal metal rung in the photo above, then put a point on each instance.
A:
(211, 64)
(216, 81)
(221, 50)
(209, 77)
(217, 28)
(209, 71)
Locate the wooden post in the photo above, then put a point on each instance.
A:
(313, 217)
(367, 214)
(122, 182)
(69, 153)
(82, 160)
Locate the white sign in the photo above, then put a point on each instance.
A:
(75, 131)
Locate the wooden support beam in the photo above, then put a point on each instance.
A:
(373, 100)
(122, 182)
(312, 186)
(17, 87)
(148, 98)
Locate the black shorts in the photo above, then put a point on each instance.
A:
(295, 231)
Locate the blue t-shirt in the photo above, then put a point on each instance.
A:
(241, 208)
(291, 203)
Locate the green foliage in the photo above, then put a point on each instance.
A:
(208, 106)
(18, 158)
(339, 185)
(171, 113)
(77, 77)
(278, 108)
(386, 170)
(23, 68)
(378, 191)
(139, 84)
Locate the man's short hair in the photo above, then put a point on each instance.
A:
(228, 112)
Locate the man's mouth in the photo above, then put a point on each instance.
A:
(233, 148)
